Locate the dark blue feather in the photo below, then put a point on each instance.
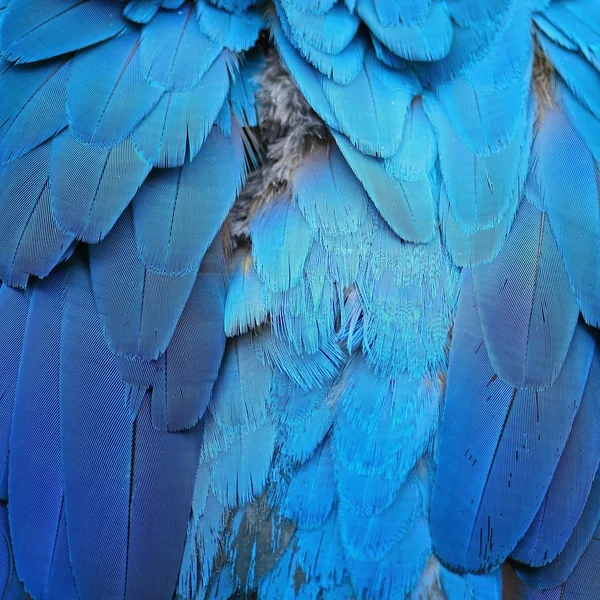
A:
(502, 442)
(31, 242)
(32, 107)
(139, 308)
(178, 212)
(10, 586)
(35, 464)
(184, 119)
(36, 29)
(90, 186)
(107, 94)
(174, 53)
(128, 487)
(14, 307)
(568, 493)
(567, 178)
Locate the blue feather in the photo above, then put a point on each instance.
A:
(32, 107)
(567, 178)
(317, 7)
(31, 242)
(242, 94)
(107, 95)
(559, 570)
(183, 120)
(36, 29)
(141, 11)
(90, 186)
(174, 53)
(139, 308)
(381, 97)
(14, 307)
(236, 32)
(468, 13)
(471, 587)
(281, 241)
(235, 6)
(146, 476)
(502, 442)
(181, 388)
(10, 586)
(330, 32)
(244, 308)
(407, 206)
(428, 40)
(568, 493)
(526, 307)
(174, 224)
(409, 12)
(35, 481)
(417, 154)
(306, 77)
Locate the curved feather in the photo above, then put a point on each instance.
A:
(183, 120)
(174, 53)
(91, 186)
(31, 242)
(506, 466)
(33, 30)
(32, 108)
(174, 223)
(141, 11)
(392, 13)
(107, 95)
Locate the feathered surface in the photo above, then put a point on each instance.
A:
(299, 299)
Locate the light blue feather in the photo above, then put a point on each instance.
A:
(32, 108)
(106, 94)
(242, 94)
(428, 40)
(183, 120)
(392, 13)
(407, 206)
(141, 11)
(174, 53)
(90, 186)
(33, 30)
(174, 222)
(471, 587)
(381, 97)
(236, 32)
(469, 13)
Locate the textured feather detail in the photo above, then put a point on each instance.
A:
(391, 13)
(417, 154)
(375, 121)
(371, 537)
(317, 7)
(34, 30)
(90, 186)
(10, 585)
(236, 32)
(31, 242)
(146, 476)
(473, 12)
(395, 428)
(480, 199)
(244, 308)
(174, 53)
(242, 94)
(306, 77)
(330, 197)
(14, 307)
(407, 206)
(107, 95)
(525, 304)
(139, 309)
(181, 388)
(311, 493)
(32, 108)
(281, 241)
(141, 11)
(507, 466)
(559, 570)
(568, 182)
(36, 507)
(471, 587)
(428, 40)
(183, 120)
(567, 495)
(330, 32)
(174, 223)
